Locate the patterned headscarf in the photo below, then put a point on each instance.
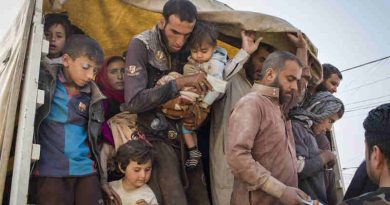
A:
(318, 107)
(105, 86)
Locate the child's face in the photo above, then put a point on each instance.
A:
(202, 53)
(79, 71)
(325, 125)
(56, 37)
(115, 71)
(137, 175)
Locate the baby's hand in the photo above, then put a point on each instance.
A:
(141, 202)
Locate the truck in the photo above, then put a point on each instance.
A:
(112, 23)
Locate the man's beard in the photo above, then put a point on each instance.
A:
(283, 99)
(249, 71)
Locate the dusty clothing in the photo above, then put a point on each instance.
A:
(192, 116)
(311, 175)
(130, 198)
(221, 177)
(329, 174)
(378, 197)
(260, 149)
(147, 61)
(53, 61)
(121, 127)
(95, 116)
(69, 190)
(323, 142)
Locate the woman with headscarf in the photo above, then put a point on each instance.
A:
(110, 80)
(314, 117)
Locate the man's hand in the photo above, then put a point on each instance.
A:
(141, 202)
(111, 194)
(248, 42)
(327, 157)
(293, 196)
(299, 41)
(199, 81)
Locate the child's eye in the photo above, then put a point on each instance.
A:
(85, 66)
(148, 169)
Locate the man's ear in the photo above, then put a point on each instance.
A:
(120, 168)
(161, 23)
(65, 60)
(377, 157)
(270, 75)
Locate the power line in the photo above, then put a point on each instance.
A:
(366, 100)
(358, 66)
(370, 70)
(353, 116)
(367, 84)
(364, 108)
(370, 104)
(348, 168)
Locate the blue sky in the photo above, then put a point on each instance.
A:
(346, 33)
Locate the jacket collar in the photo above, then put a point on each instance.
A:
(266, 90)
(96, 94)
(161, 39)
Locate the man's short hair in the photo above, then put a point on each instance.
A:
(80, 45)
(264, 46)
(329, 69)
(203, 33)
(183, 9)
(58, 19)
(134, 150)
(277, 61)
(377, 130)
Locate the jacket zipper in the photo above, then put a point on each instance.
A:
(51, 93)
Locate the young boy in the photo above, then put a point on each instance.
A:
(68, 125)
(135, 159)
(57, 29)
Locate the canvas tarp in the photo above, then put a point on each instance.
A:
(13, 48)
(114, 22)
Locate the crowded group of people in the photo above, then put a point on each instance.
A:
(126, 129)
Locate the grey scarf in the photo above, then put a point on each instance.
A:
(316, 108)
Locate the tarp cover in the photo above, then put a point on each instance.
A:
(12, 57)
(114, 22)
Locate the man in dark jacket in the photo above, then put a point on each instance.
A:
(377, 141)
(151, 55)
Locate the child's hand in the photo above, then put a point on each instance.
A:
(248, 42)
(141, 202)
(111, 194)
